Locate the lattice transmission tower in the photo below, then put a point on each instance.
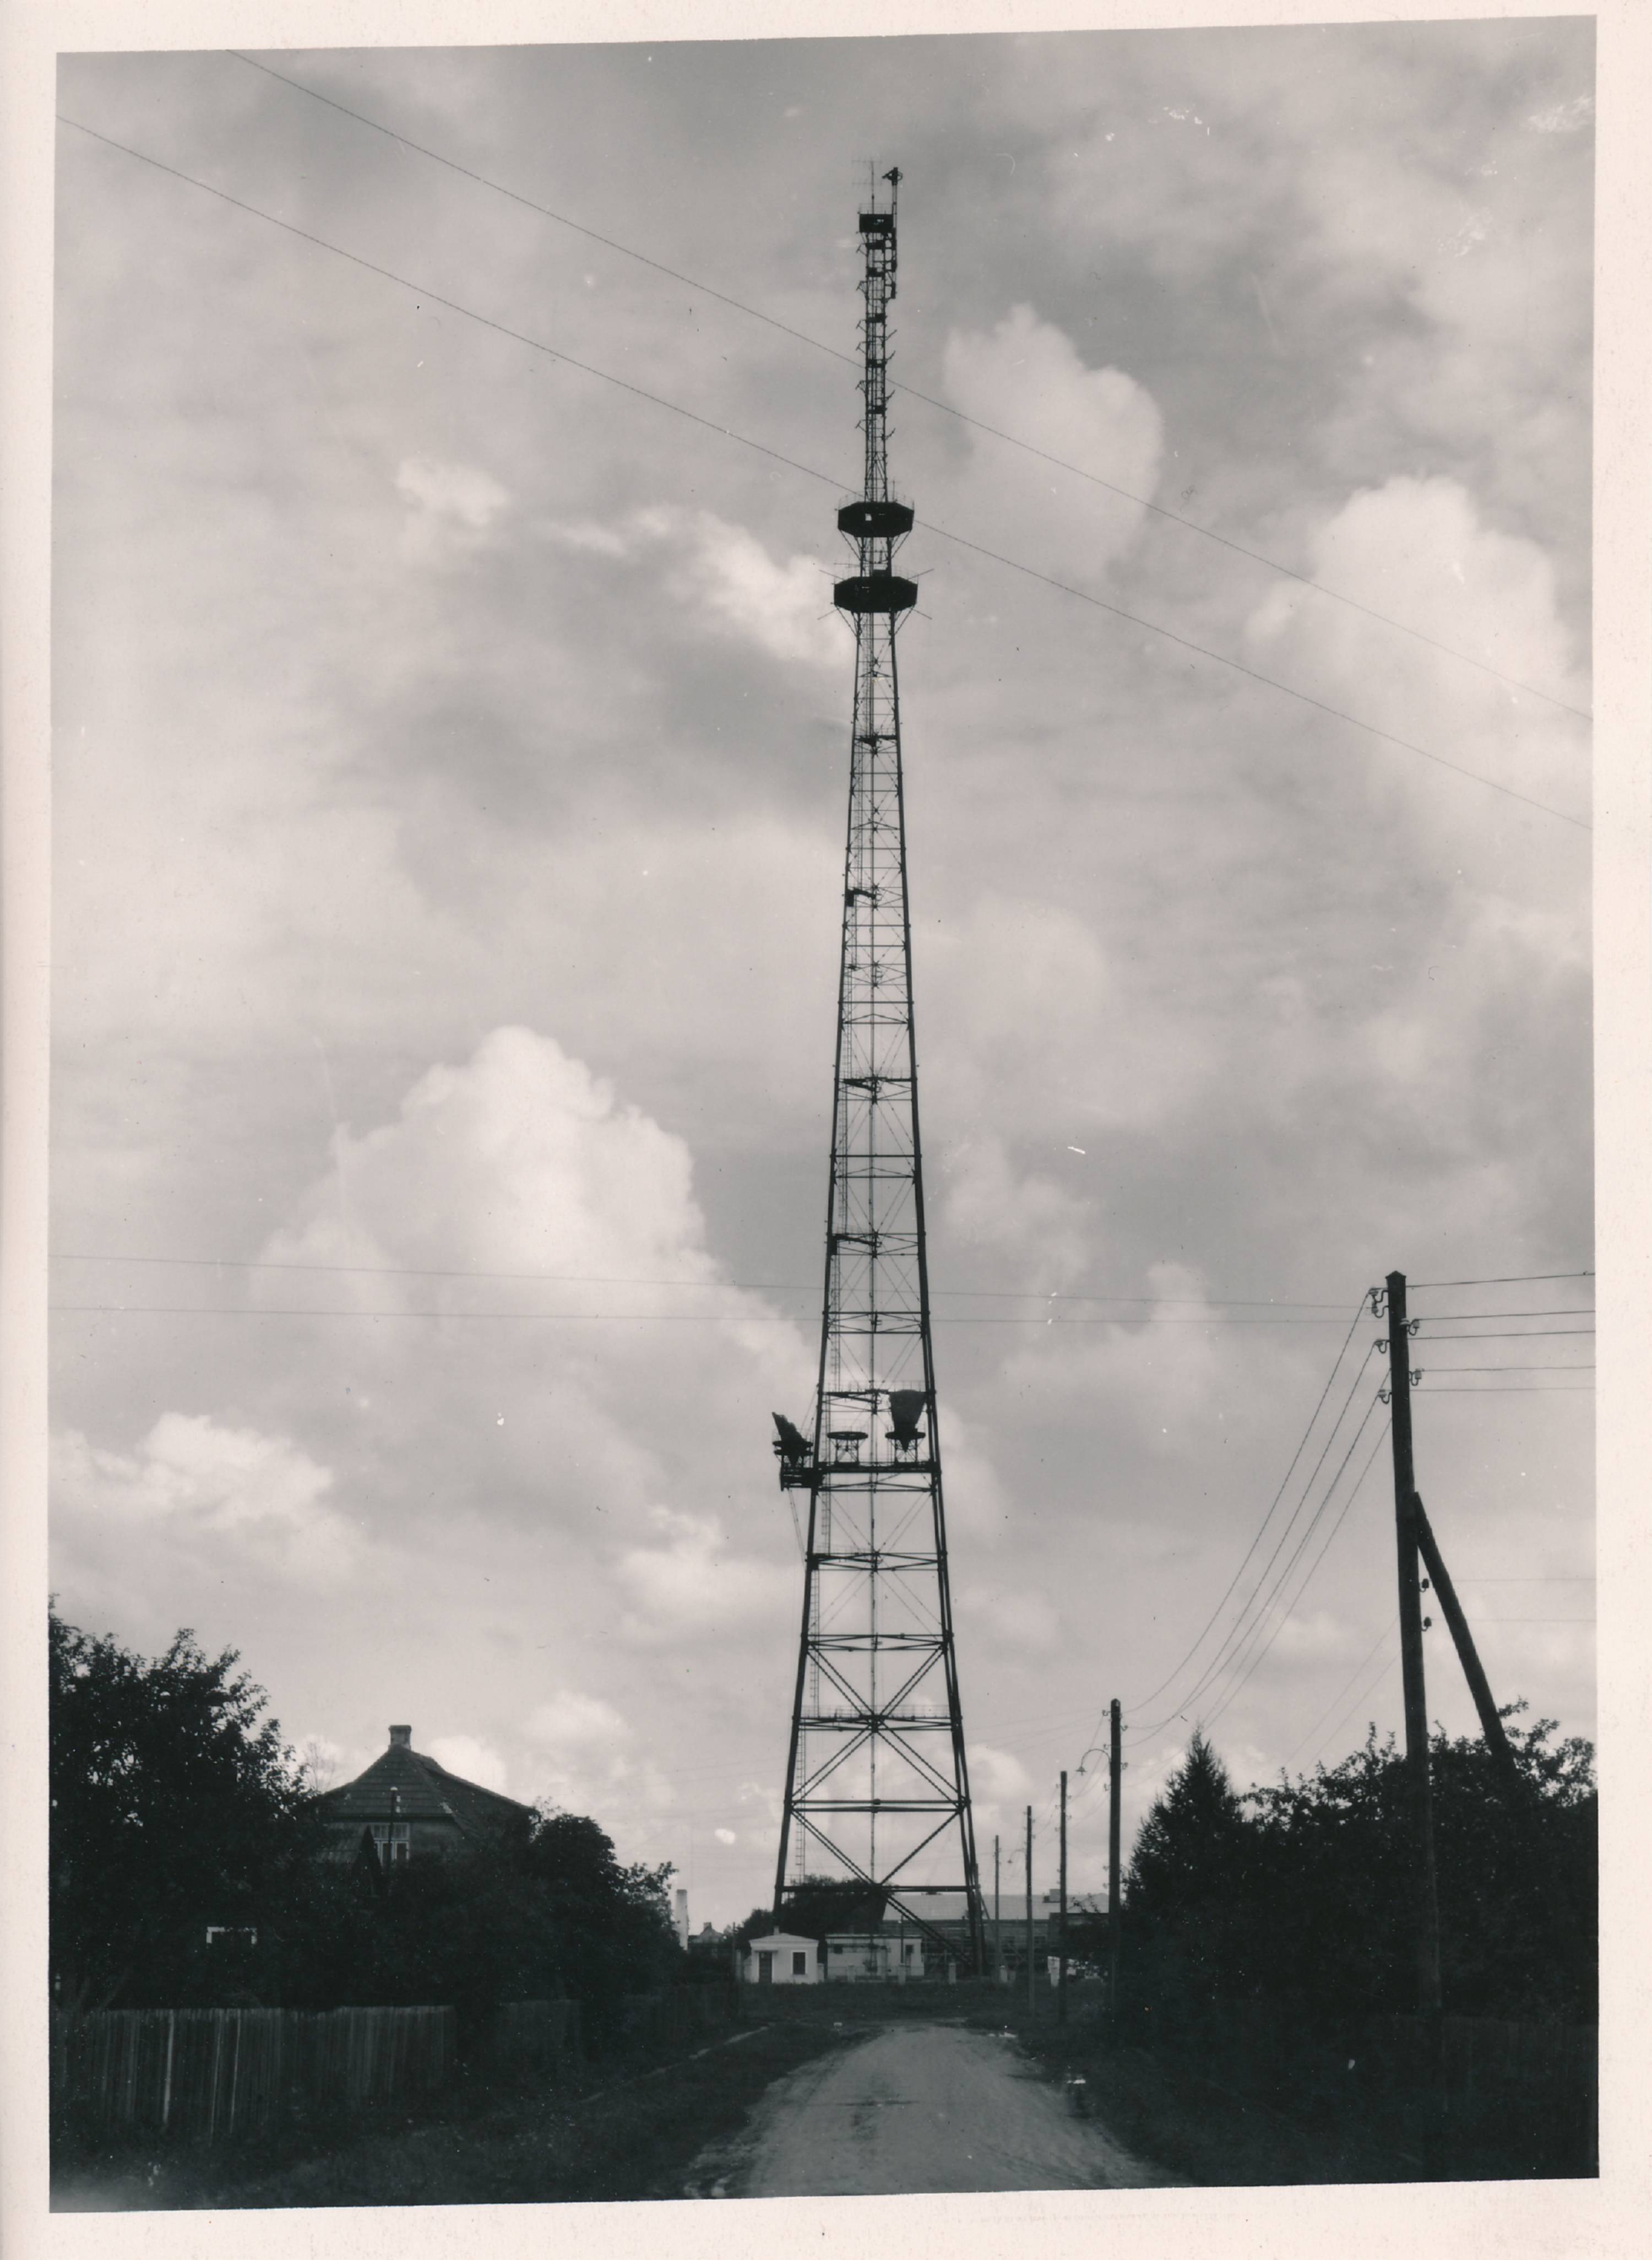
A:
(877, 1788)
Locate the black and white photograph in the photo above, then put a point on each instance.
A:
(636, 1617)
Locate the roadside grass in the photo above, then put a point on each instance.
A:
(621, 2131)
(1225, 2112)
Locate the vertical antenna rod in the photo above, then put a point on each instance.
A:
(877, 1788)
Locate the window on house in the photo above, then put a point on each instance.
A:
(392, 1839)
(800, 1964)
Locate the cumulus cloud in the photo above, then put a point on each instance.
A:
(786, 610)
(724, 577)
(1157, 1370)
(612, 1367)
(1025, 1620)
(584, 1756)
(1023, 1222)
(450, 508)
(253, 1506)
(1027, 377)
(572, 1725)
(690, 1587)
(521, 1160)
(471, 1759)
(999, 1787)
(1417, 549)
(1036, 1032)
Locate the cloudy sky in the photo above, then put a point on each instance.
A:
(450, 757)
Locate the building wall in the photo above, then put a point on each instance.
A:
(857, 1957)
(793, 1961)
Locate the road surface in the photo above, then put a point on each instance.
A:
(918, 2109)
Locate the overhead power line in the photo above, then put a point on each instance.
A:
(945, 407)
(1365, 1696)
(1154, 1694)
(1524, 1334)
(652, 1318)
(741, 1286)
(1313, 1569)
(1240, 1630)
(1354, 1675)
(1510, 1279)
(775, 455)
(1250, 1655)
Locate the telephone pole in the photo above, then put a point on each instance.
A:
(1407, 1517)
(1031, 1988)
(1061, 1974)
(1113, 1768)
(998, 1922)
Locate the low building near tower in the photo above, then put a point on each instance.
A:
(782, 1958)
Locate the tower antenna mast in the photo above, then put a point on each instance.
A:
(878, 1787)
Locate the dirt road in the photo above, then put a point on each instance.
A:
(920, 2108)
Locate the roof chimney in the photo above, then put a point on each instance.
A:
(401, 1738)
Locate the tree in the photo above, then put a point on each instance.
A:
(1189, 1840)
(1188, 1882)
(175, 1807)
(612, 1922)
(1516, 1881)
(1299, 1898)
(815, 1905)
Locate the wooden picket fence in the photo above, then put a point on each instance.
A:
(540, 2039)
(667, 2019)
(214, 2074)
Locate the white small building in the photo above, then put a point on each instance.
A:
(782, 1959)
(854, 1957)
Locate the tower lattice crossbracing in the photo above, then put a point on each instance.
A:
(878, 1787)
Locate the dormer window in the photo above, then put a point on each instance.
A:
(391, 1840)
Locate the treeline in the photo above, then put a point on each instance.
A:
(815, 1905)
(177, 1809)
(1301, 1898)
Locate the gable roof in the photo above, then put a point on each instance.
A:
(424, 1790)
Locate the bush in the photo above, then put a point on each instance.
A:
(1298, 1899)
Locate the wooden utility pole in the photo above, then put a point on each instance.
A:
(1031, 1986)
(997, 1924)
(1407, 1520)
(1113, 1915)
(1061, 1974)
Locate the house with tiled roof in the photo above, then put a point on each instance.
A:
(406, 1803)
